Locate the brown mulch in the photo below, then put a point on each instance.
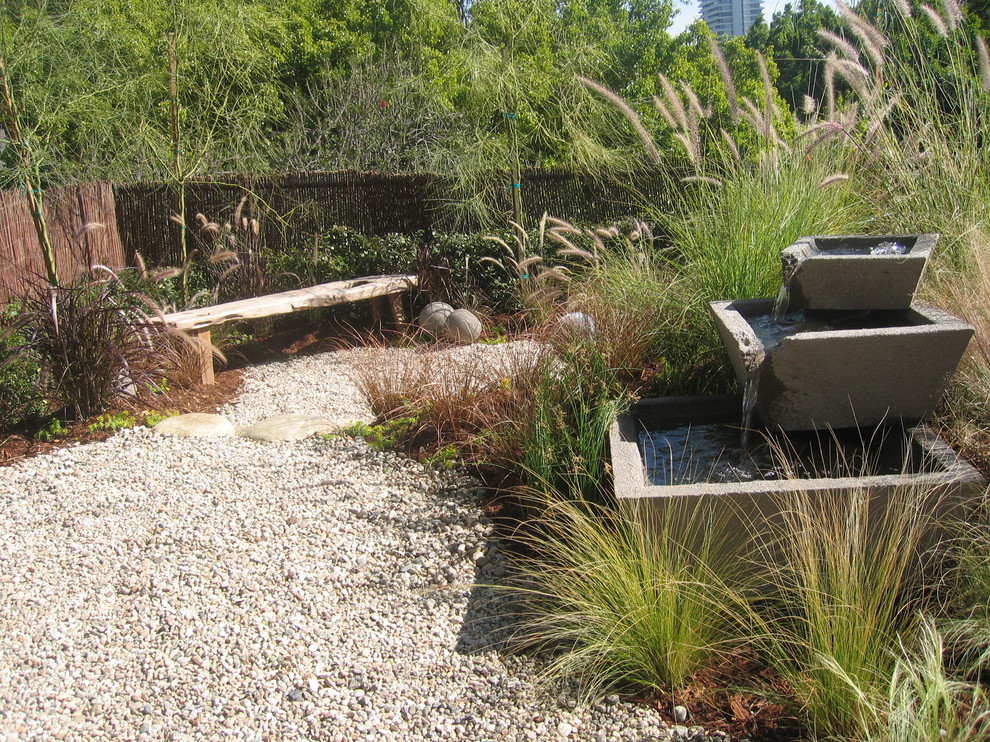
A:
(760, 710)
(200, 398)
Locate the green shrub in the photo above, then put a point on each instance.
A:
(51, 430)
(338, 254)
(454, 269)
(151, 418)
(385, 435)
(113, 421)
(21, 401)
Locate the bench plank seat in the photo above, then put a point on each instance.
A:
(286, 302)
(197, 322)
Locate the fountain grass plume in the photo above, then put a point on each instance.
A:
(628, 112)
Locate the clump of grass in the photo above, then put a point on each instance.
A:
(847, 569)
(617, 604)
(561, 423)
(965, 413)
(464, 397)
(924, 703)
(94, 341)
(967, 620)
(731, 234)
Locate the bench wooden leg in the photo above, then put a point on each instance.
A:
(377, 312)
(202, 338)
(398, 311)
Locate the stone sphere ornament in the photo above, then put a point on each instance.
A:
(433, 317)
(463, 326)
(577, 324)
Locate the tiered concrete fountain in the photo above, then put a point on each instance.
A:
(842, 368)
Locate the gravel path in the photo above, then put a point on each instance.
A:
(156, 587)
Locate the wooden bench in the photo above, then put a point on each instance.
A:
(197, 322)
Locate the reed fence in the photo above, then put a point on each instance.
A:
(136, 218)
(82, 224)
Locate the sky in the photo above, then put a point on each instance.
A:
(688, 10)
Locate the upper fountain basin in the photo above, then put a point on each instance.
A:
(855, 272)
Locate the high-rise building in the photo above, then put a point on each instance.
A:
(730, 17)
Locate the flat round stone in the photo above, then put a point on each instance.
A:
(290, 427)
(196, 424)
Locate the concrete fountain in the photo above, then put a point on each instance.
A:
(839, 373)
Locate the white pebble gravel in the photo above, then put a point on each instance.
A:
(156, 587)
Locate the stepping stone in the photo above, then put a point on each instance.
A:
(290, 427)
(196, 424)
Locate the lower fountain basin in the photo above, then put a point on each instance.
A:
(841, 370)
(929, 464)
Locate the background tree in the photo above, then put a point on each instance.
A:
(793, 41)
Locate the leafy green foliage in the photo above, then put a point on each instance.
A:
(114, 421)
(20, 374)
(385, 435)
(151, 418)
(792, 39)
(445, 457)
(52, 430)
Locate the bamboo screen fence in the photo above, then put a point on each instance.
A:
(135, 218)
(68, 210)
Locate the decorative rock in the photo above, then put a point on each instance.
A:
(196, 424)
(463, 326)
(680, 714)
(577, 324)
(290, 427)
(433, 317)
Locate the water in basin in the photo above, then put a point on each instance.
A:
(712, 453)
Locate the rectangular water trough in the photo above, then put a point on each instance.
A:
(935, 468)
